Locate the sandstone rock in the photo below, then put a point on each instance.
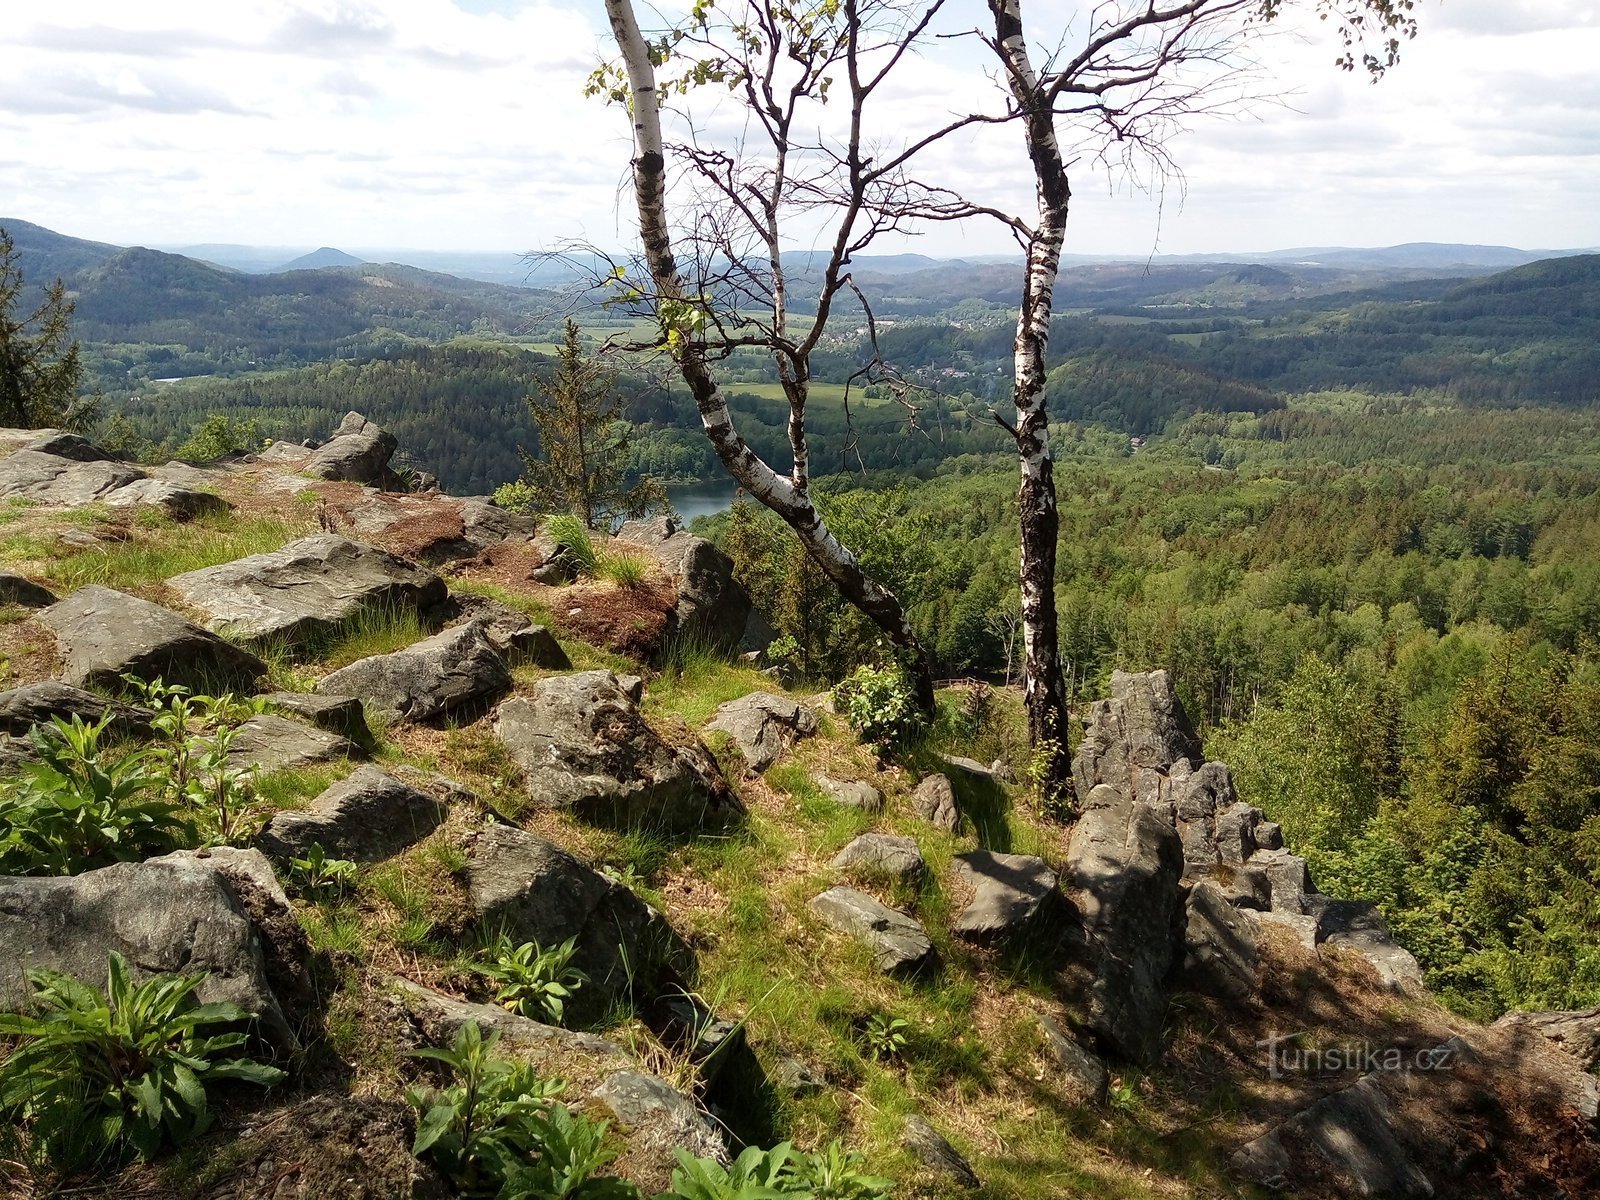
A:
(1269, 836)
(582, 744)
(934, 800)
(881, 856)
(179, 502)
(286, 454)
(1236, 832)
(336, 714)
(1359, 926)
(358, 452)
(61, 482)
(655, 1121)
(366, 817)
(537, 892)
(1353, 1131)
(1135, 737)
(105, 634)
(1083, 1076)
(268, 743)
(898, 943)
(934, 1151)
(1289, 877)
(448, 671)
(486, 525)
(308, 589)
(1009, 891)
(69, 445)
(180, 912)
(712, 605)
(1219, 945)
(1122, 871)
(853, 793)
(1576, 1032)
(36, 703)
(764, 726)
(14, 589)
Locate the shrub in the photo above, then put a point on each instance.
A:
(497, 1130)
(220, 434)
(571, 536)
(518, 496)
(100, 1075)
(530, 980)
(831, 1174)
(880, 702)
(194, 734)
(80, 807)
(321, 876)
(885, 1036)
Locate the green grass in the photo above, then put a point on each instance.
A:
(294, 789)
(156, 555)
(696, 681)
(373, 630)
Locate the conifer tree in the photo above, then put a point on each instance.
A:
(39, 366)
(583, 459)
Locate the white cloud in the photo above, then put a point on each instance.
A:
(461, 125)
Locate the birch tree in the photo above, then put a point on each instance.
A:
(1141, 70)
(716, 280)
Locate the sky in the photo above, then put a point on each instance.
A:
(461, 125)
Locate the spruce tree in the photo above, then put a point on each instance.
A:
(39, 366)
(583, 459)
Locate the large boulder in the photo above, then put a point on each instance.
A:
(454, 669)
(368, 816)
(712, 606)
(537, 892)
(582, 744)
(180, 913)
(1009, 892)
(764, 726)
(309, 588)
(881, 856)
(105, 634)
(897, 942)
(1122, 871)
(358, 452)
(1135, 737)
(61, 482)
(268, 742)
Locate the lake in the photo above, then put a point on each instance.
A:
(701, 500)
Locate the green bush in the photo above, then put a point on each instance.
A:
(518, 496)
(530, 980)
(497, 1130)
(831, 1174)
(318, 875)
(220, 434)
(880, 702)
(98, 1076)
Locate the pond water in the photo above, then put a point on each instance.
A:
(701, 500)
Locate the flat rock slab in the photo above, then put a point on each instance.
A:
(582, 744)
(309, 589)
(451, 670)
(14, 589)
(61, 482)
(179, 912)
(366, 817)
(898, 942)
(1008, 892)
(537, 892)
(853, 793)
(105, 634)
(177, 501)
(1354, 1132)
(763, 726)
(268, 743)
(881, 856)
(38, 703)
(69, 445)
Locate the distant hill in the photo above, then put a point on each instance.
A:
(326, 256)
(46, 255)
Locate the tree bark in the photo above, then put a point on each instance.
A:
(792, 503)
(1044, 691)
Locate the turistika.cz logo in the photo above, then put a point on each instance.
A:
(1286, 1055)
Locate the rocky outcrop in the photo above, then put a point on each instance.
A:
(104, 635)
(309, 589)
(764, 726)
(61, 482)
(455, 669)
(712, 606)
(897, 942)
(1359, 926)
(1220, 951)
(38, 703)
(1575, 1031)
(268, 742)
(366, 817)
(177, 501)
(537, 892)
(181, 912)
(1009, 893)
(358, 452)
(582, 744)
(881, 856)
(336, 714)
